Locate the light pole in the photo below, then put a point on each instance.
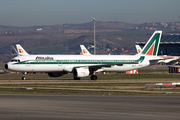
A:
(94, 36)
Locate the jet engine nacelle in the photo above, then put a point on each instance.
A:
(81, 72)
(55, 74)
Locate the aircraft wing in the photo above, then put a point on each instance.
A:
(99, 66)
(172, 62)
(170, 59)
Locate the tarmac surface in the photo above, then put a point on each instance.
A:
(75, 107)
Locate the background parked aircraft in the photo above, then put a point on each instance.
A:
(167, 59)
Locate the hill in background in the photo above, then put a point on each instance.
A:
(111, 37)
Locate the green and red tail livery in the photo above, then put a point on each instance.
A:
(152, 46)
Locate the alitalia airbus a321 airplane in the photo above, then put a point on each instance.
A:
(85, 65)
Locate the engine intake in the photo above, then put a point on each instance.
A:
(81, 72)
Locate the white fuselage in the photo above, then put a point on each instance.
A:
(55, 63)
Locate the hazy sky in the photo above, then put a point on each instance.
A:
(50, 12)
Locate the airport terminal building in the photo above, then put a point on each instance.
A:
(169, 45)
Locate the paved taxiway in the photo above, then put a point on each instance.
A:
(37, 107)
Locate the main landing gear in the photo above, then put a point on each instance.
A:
(94, 77)
(24, 76)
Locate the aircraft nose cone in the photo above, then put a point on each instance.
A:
(6, 66)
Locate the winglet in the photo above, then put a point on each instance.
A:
(13, 51)
(20, 50)
(84, 50)
(152, 46)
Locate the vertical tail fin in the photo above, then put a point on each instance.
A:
(84, 50)
(152, 46)
(20, 49)
(138, 48)
(13, 51)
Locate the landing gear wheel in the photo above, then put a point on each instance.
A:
(23, 78)
(93, 77)
(75, 78)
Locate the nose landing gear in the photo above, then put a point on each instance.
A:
(24, 76)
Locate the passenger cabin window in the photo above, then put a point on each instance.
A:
(14, 60)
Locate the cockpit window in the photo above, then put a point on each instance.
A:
(14, 60)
